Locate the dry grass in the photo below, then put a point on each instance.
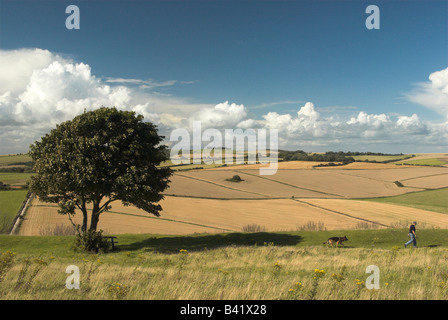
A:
(240, 273)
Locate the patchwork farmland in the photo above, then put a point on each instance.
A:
(204, 201)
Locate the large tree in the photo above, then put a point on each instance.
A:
(98, 157)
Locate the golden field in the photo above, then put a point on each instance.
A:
(203, 201)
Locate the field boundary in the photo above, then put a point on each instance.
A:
(171, 220)
(288, 184)
(341, 213)
(223, 186)
(20, 213)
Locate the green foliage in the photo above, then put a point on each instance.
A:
(91, 241)
(99, 157)
(330, 156)
(235, 178)
(399, 184)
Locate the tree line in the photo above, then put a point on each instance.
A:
(329, 156)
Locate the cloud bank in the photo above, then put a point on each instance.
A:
(39, 89)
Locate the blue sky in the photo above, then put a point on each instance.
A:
(268, 56)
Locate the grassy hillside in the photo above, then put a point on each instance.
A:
(427, 162)
(10, 202)
(235, 266)
(432, 200)
(140, 243)
(10, 159)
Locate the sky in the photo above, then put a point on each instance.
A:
(309, 68)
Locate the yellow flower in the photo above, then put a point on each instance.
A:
(184, 251)
(318, 273)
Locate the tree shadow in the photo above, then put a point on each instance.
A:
(173, 244)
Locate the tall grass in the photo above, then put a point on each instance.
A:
(233, 272)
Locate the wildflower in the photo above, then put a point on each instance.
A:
(318, 273)
(337, 277)
(118, 290)
(183, 251)
(359, 283)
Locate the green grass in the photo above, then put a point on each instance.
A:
(235, 266)
(168, 244)
(426, 162)
(15, 179)
(8, 159)
(247, 266)
(10, 202)
(432, 200)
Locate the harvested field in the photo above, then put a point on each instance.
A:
(309, 183)
(254, 185)
(202, 201)
(365, 165)
(186, 216)
(382, 212)
(188, 185)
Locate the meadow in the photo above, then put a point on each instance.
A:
(10, 203)
(229, 266)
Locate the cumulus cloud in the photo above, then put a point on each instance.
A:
(222, 115)
(39, 89)
(433, 94)
(363, 131)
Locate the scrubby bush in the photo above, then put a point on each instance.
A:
(235, 178)
(91, 241)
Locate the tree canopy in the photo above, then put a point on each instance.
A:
(98, 157)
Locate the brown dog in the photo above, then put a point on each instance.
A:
(338, 240)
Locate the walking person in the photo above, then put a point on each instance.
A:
(412, 235)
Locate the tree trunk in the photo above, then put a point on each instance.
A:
(94, 221)
(95, 215)
(84, 217)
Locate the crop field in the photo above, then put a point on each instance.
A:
(204, 201)
(431, 159)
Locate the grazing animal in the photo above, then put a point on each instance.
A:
(338, 240)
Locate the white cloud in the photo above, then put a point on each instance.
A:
(433, 94)
(39, 89)
(222, 115)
